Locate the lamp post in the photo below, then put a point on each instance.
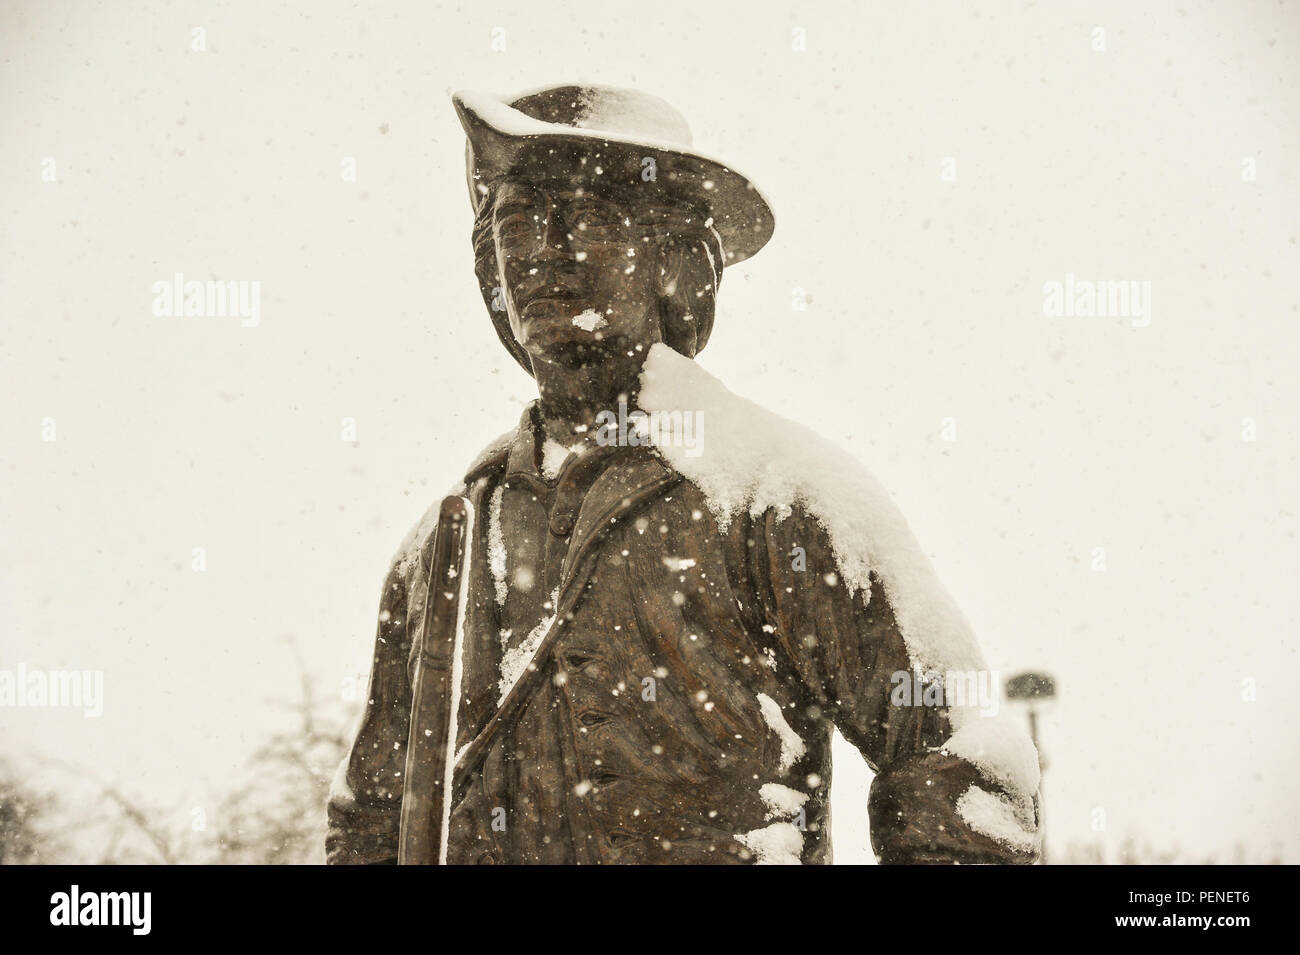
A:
(1034, 690)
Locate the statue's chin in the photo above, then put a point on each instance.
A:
(577, 348)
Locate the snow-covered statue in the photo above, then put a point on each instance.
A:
(630, 637)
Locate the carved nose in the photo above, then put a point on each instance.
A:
(555, 233)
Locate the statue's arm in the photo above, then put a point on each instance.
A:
(365, 801)
(849, 669)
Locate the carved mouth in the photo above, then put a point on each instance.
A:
(552, 286)
(545, 295)
(563, 301)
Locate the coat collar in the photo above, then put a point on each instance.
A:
(599, 486)
(520, 459)
(626, 480)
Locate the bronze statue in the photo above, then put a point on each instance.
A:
(629, 636)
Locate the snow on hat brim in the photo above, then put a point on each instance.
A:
(502, 137)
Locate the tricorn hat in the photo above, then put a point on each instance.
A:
(626, 137)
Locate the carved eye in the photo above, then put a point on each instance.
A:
(519, 223)
(595, 219)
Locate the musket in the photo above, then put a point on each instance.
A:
(430, 750)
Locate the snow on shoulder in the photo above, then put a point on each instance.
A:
(754, 460)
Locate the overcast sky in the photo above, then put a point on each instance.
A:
(931, 167)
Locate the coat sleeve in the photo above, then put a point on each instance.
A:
(365, 801)
(930, 801)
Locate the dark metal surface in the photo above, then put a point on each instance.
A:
(424, 800)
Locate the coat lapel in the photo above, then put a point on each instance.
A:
(632, 478)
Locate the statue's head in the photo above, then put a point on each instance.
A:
(597, 228)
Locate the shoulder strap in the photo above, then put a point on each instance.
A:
(435, 692)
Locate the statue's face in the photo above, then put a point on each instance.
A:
(579, 273)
